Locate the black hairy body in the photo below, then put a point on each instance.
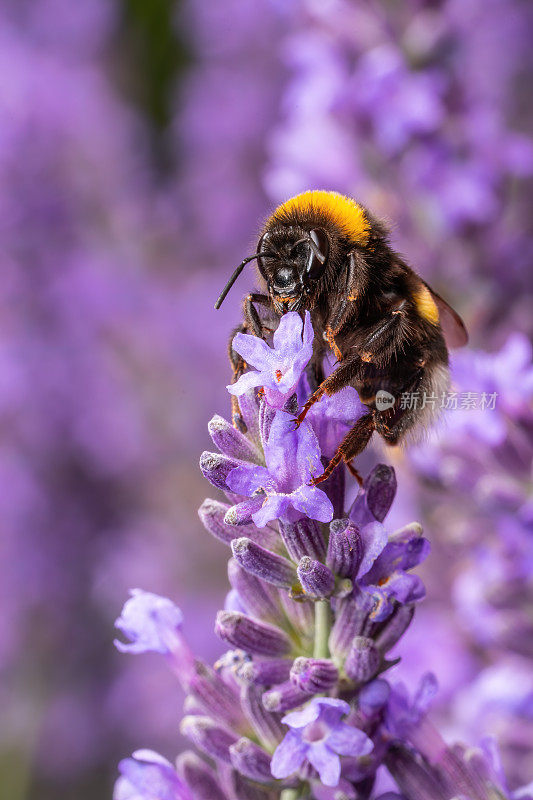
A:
(325, 253)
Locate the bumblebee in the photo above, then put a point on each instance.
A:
(388, 330)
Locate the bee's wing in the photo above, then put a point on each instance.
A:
(453, 327)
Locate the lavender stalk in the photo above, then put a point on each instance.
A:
(300, 706)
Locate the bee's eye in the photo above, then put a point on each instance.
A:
(263, 247)
(318, 253)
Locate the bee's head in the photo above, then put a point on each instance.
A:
(292, 261)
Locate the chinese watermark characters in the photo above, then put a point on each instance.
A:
(450, 401)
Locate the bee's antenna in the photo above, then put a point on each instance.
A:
(234, 277)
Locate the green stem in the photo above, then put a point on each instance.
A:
(322, 628)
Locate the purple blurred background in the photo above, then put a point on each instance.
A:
(141, 145)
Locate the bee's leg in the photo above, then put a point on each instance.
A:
(343, 307)
(354, 472)
(253, 320)
(355, 283)
(353, 443)
(341, 377)
(388, 336)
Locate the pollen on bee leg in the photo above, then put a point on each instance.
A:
(367, 357)
(330, 337)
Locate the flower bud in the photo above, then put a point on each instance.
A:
(412, 777)
(300, 614)
(241, 515)
(284, 697)
(251, 635)
(265, 673)
(215, 697)
(199, 777)
(231, 441)
(267, 725)
(351, 619)
(303, 538)
(212, 514)
(345, 548)
(394, 627)
(216, 468)
(314, 674)
(249, 404)
(257, 598)
(251, 760)
(208, 737)
(264, 564)
(363, 660)
(239, 788)
(380, 487)
(316, 579)
(214, 517)
(376, 496)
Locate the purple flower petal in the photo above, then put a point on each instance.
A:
(254, 350)
(312, 502)
(247, 381)
(280, 367)
(248, 479)
(348, 741)
(374, 538)
(326, 762)
(153, 624)
(288, 756)
(299, 719)
(274, 507)
(404, 587)
(426, 692)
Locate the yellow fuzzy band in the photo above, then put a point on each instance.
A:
(344, 212)
(426, 306)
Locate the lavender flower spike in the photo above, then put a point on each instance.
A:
(318, 735)
(279, 367)
(310, 621)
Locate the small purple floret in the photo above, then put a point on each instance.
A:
(149, 776)
(318, 735)
(279, 367)
(152, 623)
(292, 460)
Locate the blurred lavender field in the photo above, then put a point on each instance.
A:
(141, 145)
